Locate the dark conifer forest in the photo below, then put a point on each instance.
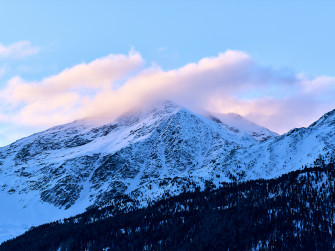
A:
(292, 212)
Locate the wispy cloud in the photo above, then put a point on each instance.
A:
(2, 71)
(229, 82)
(17, 50)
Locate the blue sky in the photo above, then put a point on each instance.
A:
(287, 37)
(283, 34)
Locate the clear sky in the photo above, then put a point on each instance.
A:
(294, 40)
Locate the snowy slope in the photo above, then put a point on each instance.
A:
(238, 124)
(285, 153)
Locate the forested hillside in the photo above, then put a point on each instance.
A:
(292, 212)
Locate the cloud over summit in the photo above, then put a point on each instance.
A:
(109, 86)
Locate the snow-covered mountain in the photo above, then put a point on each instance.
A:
(143, 154)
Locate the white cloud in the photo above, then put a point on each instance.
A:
(18, 50)
(229, 82)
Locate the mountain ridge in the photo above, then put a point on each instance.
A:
(237, 123)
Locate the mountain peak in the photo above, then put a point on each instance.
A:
(166, 104)
(153, 109)
(327, 118)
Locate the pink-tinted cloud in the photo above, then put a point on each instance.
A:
(229, 82)
(99, 74)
